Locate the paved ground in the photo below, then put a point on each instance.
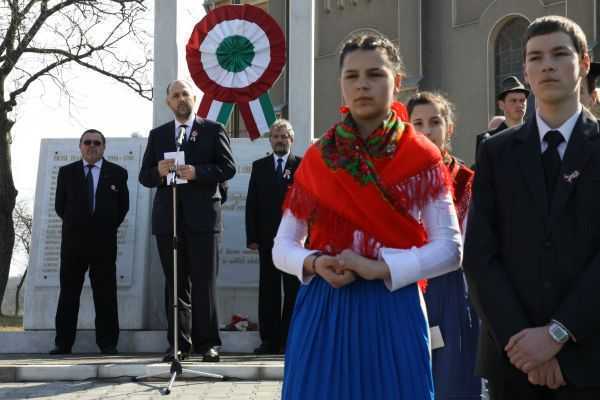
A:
(112, 390)
(124, 358)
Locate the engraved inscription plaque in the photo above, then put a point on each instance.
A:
(47, 225)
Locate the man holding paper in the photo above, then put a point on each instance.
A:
(198, 151)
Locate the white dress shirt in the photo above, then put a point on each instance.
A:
(189, 123)
(566, 129)
(284, 157)
(95, 176)
(442, 254)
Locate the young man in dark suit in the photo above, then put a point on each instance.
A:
(92, 200)
(270, 178)
(532, 250)
(208, 162)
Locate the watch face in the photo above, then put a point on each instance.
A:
(558, 333)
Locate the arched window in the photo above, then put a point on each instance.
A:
(509, 51)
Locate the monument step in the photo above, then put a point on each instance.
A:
(130, 341)
(43, 368)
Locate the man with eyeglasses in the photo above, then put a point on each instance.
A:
(269, 181)
(208, 163)
(92, 200)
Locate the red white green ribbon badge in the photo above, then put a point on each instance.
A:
(234, 55)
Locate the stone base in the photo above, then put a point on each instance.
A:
(37, 342)
(78, 367)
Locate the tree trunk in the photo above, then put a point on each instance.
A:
(8, 195)
(18, 294)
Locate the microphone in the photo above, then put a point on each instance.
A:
(180, 137)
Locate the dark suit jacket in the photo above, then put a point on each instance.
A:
(527, 265)
(199, 200)
(265, 198)
(71, 202)
(487, 134)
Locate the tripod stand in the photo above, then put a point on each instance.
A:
(176, 368)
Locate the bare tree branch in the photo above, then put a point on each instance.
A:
(128, 81)
(44, 71)
(39, 41)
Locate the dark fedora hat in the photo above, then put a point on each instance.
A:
(512, 84)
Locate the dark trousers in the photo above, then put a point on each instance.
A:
(273, 322)
(196, 288)
(76, 258)
(515, 386)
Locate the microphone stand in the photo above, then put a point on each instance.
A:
(176, 368)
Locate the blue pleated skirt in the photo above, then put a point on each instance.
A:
(449, 308)
(358, 342)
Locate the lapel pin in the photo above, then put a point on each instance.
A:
(569, 178)
(287, 174)
(193, 136)
(113, 188)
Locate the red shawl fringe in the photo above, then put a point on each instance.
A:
(416, 191)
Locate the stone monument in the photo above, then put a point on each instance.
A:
(140, 278)
(41, 293)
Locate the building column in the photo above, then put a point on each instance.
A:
(173, 25)
(301, 63)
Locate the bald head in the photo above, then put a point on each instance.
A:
(180, 99)
(496, 121)
(178, 82)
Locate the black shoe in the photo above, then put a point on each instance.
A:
(265, 348)
(57, 350)
(109, 350)
(211, 355)
(168, 357)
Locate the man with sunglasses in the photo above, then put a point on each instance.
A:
(92, 200)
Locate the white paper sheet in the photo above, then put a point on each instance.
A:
(179, 157)
(437, 341)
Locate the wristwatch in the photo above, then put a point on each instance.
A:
(558, 333)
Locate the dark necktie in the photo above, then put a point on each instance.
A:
(279, 169)
(551, 161)
(89, 181)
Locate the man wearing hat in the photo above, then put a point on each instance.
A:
(589, 95)
(512, 100)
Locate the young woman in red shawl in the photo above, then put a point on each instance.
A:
(374, 199)
(450, 314)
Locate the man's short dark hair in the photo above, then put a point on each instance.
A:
(555, 23)
(93, 131)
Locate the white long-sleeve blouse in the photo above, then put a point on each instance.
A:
(441, 254)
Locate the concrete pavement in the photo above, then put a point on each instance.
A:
(111, 390)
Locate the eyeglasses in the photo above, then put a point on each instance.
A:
(89, 142)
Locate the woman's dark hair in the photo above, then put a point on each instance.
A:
(436, 99)
(371, 41)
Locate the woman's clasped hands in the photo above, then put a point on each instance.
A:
(343, 269)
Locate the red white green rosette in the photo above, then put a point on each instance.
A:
(234, 55)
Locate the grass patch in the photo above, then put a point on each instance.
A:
(8, 323)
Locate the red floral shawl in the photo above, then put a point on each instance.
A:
(342, 207)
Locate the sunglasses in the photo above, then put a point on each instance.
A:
(89, 142)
